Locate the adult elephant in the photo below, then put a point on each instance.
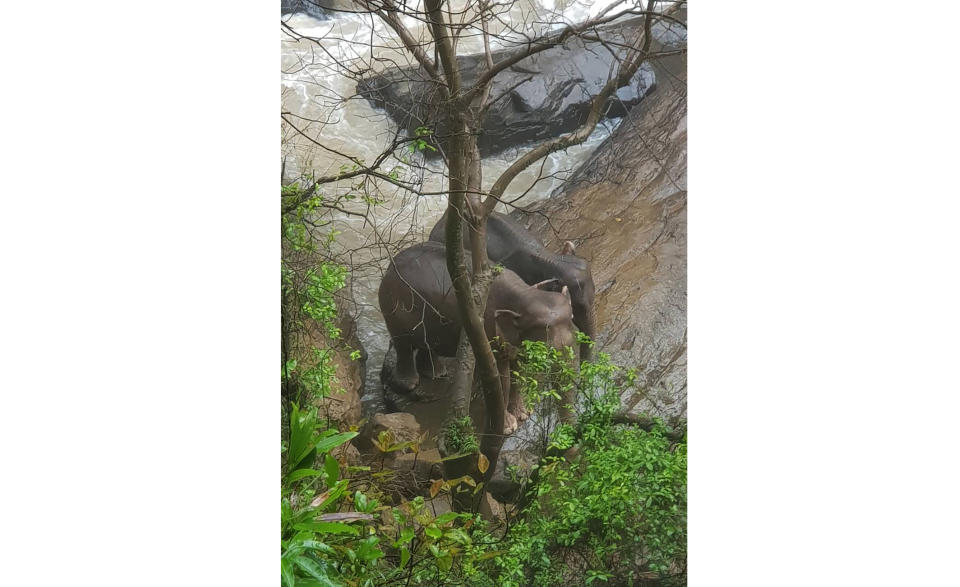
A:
(517, 249)
(419, 306)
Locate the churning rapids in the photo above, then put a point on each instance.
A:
(313, 87)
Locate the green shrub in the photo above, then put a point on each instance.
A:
(310, 280)
(616, 510)
(460, 437)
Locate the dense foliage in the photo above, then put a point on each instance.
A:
(459, 436)
(610, 501)
(617, 511)
(334, 533)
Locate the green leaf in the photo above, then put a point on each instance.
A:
(447, 517)
(368, 550)
(406, 535)
(312, 568)
(301, 473)
(315, 545)
(489, 555)
(328, 528)
(307, 460)
(360, 500)
(286, 572)
(332, 468)
(404, 556)
(433, 532)
(445, 561)
(302, 428)
(332, 442)
(313, 583)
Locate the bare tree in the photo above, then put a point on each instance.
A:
(433, 35)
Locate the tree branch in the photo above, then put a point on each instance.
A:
(627, 70)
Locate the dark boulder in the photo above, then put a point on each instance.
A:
(512, 474)
(543, 96)
(400, 427)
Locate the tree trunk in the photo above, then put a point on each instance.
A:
(462, 380)
(463, 165)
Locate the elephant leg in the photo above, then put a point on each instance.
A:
(515, 402)
(405, 377)
(429, 364)
(510, 422)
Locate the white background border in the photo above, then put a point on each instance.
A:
(138, 233)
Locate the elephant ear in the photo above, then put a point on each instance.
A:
(568, 248)
(508, 328)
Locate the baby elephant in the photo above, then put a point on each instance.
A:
(419, 305)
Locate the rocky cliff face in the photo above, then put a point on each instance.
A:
(626, 209)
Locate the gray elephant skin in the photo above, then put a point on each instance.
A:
(517, 249)
(419, 306)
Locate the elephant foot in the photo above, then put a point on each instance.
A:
(510, 424)
(404, 384)
(520, 413)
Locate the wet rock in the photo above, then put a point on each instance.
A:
(404, 475)
(347, 453)
(544, 95)
(513, 470)
(402, 427)
(626, 209)
(441, 504)
(491, 509)
(415, 472)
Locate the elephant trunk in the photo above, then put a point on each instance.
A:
(588, 324)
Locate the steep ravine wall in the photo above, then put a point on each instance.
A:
(626, 209)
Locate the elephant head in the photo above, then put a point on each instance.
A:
(539, 315)
(542, 315)
(509, 243)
